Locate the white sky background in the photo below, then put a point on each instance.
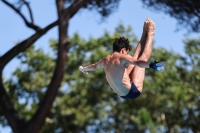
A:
(86, 23)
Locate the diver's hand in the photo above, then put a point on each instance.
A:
(81, 68)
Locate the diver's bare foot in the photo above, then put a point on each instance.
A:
(145, 27)
(150, 27)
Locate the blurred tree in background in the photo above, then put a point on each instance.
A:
(48, 92)
(86, 103)
(66, 9)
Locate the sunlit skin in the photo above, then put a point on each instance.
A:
(121, 68)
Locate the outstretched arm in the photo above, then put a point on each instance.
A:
(143, 64)
(92, 67)
(127, 59)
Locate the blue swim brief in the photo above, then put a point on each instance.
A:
(133, 93)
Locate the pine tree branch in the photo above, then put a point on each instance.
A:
(30, 11)
(73, 9)
(30, 25)
(9, 111)
(6, 105)
(24, 45)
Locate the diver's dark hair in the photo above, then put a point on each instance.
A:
(120, 43)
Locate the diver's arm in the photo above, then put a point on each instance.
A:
(92, 67)
(127, 59)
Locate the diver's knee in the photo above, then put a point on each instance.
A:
(144, 57)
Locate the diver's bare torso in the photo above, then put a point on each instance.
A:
(116, 74)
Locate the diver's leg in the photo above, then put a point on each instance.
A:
(141, 43)
(139, 48)
(138, 74)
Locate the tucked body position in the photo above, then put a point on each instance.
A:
(125, 73)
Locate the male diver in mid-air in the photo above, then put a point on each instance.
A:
(126, 73)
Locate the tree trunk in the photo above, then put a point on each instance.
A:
(37, 121)
(39, 118)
